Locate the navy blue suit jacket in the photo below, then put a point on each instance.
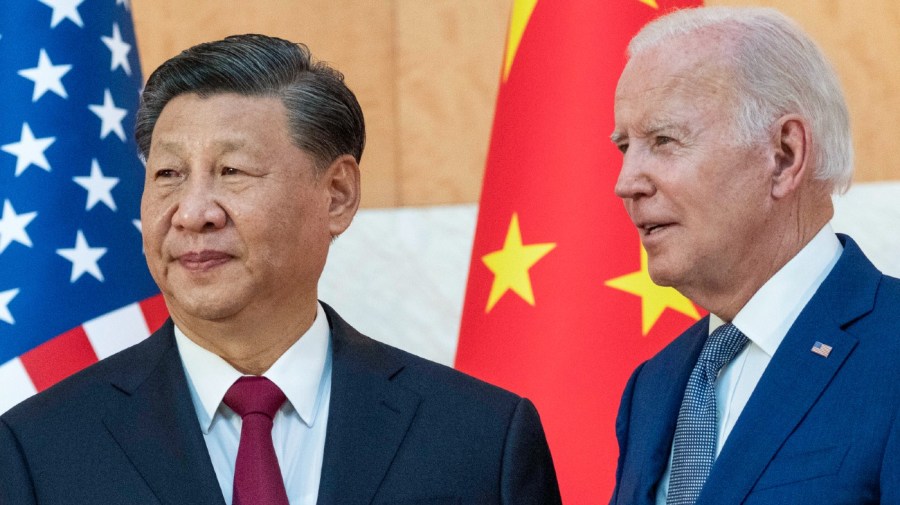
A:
(400, 430)
(815, 431)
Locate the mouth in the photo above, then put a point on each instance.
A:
(203, 261)
(650, 229)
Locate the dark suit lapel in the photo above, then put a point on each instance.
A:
(795, 378)
(368, 417)
(661, 414)
(156, 426)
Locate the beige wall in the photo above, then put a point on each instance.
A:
(426, 73)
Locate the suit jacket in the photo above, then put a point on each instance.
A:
(400, 430)
(815, 431)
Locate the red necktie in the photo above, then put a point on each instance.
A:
(257, 476)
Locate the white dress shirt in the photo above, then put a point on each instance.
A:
(765, 320)
(303, 373)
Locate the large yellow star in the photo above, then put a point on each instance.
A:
(518, 21)
(654, 299)
(510, 265)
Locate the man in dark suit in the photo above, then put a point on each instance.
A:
(254, 392)
(734, 134)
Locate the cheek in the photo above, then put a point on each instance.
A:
(154, 224)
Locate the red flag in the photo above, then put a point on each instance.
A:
(559, 306)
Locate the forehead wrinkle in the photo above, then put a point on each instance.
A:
(180, 148)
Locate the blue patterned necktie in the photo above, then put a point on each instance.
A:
(696, 433)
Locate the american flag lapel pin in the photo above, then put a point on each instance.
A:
(821, 349)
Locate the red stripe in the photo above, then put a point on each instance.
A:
(58, 358)
(155, 312)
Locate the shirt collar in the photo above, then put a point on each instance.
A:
(772, 310)
(298, 372)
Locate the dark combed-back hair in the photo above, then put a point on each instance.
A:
(323, 114)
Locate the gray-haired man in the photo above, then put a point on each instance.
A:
(734, 134)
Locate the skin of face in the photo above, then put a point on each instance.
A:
(237, 221)
(703, 202)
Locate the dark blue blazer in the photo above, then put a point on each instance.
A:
(815, 431)
(400, 430)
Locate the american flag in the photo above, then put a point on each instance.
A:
(821, 349)
(74, 287)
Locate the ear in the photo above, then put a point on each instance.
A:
(342, 179)
(792, 147)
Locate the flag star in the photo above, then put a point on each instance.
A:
(64, 9)
(46, 77)
(511, 265)
(12, 226)
(29, 150)
(119, 49)
(126, 3)
(84, 258)
(110, 116)
(5, 298)
(137, 224)
(654, 299)
(98, 187)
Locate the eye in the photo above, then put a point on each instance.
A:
(622, 147)
(662, 140)
(166, 173)
(230, 171)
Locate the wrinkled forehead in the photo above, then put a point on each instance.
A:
(683, 73)
(697, 62)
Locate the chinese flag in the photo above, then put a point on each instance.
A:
(559, 306)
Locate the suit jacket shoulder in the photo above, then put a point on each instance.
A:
(122, 429)
(398, 419)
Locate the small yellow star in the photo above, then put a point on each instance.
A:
(510, 265)
(654, 299)
(651, 3)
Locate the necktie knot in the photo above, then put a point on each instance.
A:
(721, 347)
(254, 395)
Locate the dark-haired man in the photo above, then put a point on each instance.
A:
(255, 392)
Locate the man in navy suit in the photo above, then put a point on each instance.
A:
(254, 392)
(734, 134)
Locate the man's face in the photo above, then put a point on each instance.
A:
(235, 217)
(698, 198)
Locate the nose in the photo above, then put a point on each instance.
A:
(199, 208)
(634, 180)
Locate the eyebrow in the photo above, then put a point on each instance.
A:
(178, 148)
(650, 130)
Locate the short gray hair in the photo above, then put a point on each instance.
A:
(779, 70)
(323, 114)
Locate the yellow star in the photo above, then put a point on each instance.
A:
(510, 265)
(651, 3)
(518, 21)
(654, 299)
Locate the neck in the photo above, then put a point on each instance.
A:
(786, 236)
(250, 344)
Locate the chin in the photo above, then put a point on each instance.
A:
(206, 308)
(663, 276)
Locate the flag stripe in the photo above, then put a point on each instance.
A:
(155, 312)
(59, 358)
(17, 385)
(117, 330)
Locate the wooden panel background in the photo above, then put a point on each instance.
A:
(426, 73)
